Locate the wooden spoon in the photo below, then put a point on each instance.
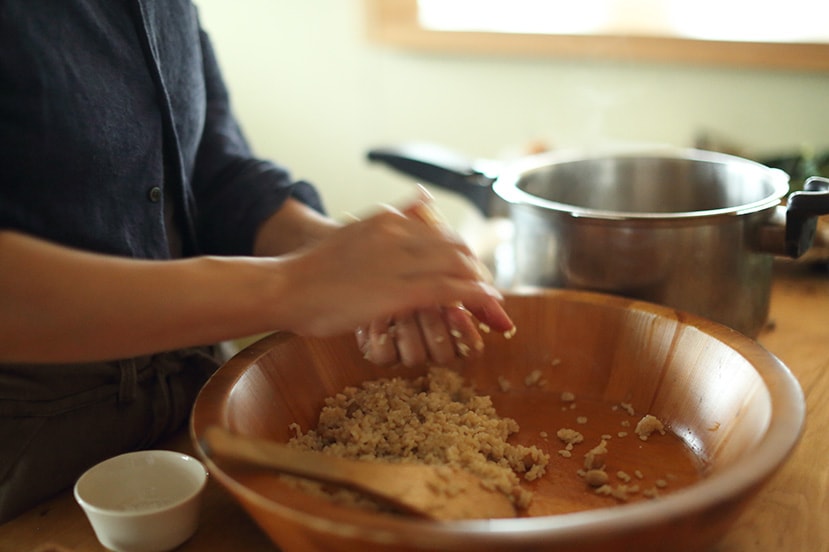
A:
(434, 492)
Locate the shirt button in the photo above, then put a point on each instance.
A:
(154, 194)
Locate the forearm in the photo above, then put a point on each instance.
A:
(63, 305)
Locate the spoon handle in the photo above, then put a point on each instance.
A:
(313, 465)
(412, 488)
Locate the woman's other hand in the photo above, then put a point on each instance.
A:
(435, 334)
(386, 267)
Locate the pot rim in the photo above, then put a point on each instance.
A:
(506, 183)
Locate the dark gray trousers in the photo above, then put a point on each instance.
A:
(58, 420)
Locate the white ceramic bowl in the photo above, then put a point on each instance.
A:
(146, 501)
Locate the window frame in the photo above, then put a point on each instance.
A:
(395, 23)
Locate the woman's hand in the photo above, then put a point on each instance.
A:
(436, 334)
(397, 271)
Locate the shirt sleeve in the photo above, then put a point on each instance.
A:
(234, 191)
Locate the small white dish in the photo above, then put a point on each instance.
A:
(145, 501)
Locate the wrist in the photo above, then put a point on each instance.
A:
(293, 226)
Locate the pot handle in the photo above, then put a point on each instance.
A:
(442, 167)
(801, 214)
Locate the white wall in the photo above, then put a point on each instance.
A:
(311, 93)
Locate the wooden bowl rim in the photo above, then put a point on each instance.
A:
(723, 486)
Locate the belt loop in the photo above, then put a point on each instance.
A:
(129, 378)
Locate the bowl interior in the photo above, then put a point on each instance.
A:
(735, 410)
(141, 482)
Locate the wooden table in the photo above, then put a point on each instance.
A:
(790, 514)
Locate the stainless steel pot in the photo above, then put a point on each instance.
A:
(690, 229)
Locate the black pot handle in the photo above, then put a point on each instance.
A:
(802, 212)
(442, 167)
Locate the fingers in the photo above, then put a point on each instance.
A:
(491, 314)
(438, 340)
(464, 330)
(380, 348)
(412, 340)
(435, 267)
(410, 344)
(362, 340)
(430, 335)
(424, 211)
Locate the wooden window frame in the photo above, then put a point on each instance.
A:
(395, 23)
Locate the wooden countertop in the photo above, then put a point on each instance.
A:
(789, 514)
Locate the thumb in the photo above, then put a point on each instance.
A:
(423, 209)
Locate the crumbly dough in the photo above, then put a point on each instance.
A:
(433, 419)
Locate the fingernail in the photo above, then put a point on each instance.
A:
(484, 274)
(480, 271)
(491, 290)
(425, 194)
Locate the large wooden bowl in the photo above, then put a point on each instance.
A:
(737, 408)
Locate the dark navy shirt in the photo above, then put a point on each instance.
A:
(109, 109)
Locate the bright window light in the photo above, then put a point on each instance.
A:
(731, 20)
